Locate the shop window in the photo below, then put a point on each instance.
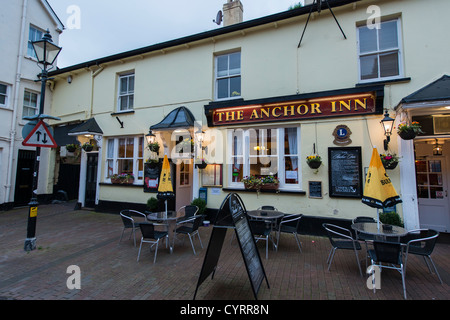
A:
(125, 155)
(228, 76)
(4, 95)
(265, 152)
(126, 92)
(34, 34)
(380, 56)
(30, 106)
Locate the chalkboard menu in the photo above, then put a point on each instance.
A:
(345, 172)
(234, 206)
(152, 172)
(315, 189)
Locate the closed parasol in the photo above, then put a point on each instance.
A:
(378, 190)
(165, 188)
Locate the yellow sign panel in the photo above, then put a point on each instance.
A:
(33, 212)
(165, 184)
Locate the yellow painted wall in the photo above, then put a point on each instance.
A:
(272, 65)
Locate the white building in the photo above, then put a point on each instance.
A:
(21, 22)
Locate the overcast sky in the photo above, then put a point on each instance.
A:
(98, 28)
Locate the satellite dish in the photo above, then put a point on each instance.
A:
(219, 17)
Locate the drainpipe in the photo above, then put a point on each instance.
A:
(93, 75)
(16, 102)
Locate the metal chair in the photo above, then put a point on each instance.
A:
(364, 237)
(261, 231)
(150, 235)
(341, 238)
(190, 230)
(186, 213)
(421, 242)
(130, 223)
(289, 224)
(390, 253)
(267, 208)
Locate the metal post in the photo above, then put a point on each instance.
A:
(30, 241)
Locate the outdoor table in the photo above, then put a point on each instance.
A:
(380, 232)
(269, 216)
(168, 218)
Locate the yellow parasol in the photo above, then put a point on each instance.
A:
(378, 191)
(165, 188)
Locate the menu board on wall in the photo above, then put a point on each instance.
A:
(151, 177)
(345, 172)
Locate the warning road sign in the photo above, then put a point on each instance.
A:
(40, 137)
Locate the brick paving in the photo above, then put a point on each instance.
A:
(109, 270)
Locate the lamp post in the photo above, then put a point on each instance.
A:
(46, 54)
(388, 125)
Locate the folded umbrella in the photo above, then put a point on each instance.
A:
(378, 191)
(165, 188)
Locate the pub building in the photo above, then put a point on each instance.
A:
(262, 99)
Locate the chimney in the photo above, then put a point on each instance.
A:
(233, 12)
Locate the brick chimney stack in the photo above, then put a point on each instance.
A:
(233, 12)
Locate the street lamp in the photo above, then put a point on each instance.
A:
(388, 125)
(46, 54)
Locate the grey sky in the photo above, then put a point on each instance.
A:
(105, 27)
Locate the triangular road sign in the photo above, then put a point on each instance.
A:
(40, 137)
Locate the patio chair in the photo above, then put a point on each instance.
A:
(150, 235)
(341, 238)
(131, 223)
(421, 242)
(267, 208)
(261, 231)
(289, 224)
(364, 237)
(191, 230)
(389, 255)
(186, 213)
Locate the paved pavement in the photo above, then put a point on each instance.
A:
(109, 270)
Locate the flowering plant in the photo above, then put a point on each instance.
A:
(415, 126)
(389, 159)
(122, 178)
(154, 147)
(270, 179)
(252, 181)
(314, 158)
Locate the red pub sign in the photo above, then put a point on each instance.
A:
(342, 105)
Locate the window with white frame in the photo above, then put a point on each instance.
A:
(125, 155)
(228, 76)
(33, 35)
(30, 104)
(125, 99)
(380, 56)
(4, 95)
(265, 152)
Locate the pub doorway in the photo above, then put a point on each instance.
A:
(24, 177)
(432, 177)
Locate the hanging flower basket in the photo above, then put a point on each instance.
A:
(87, 147)
(390, 161)
(71, 147)
(314, 162)
(201, 165)
(408, 132)
(154, 147)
